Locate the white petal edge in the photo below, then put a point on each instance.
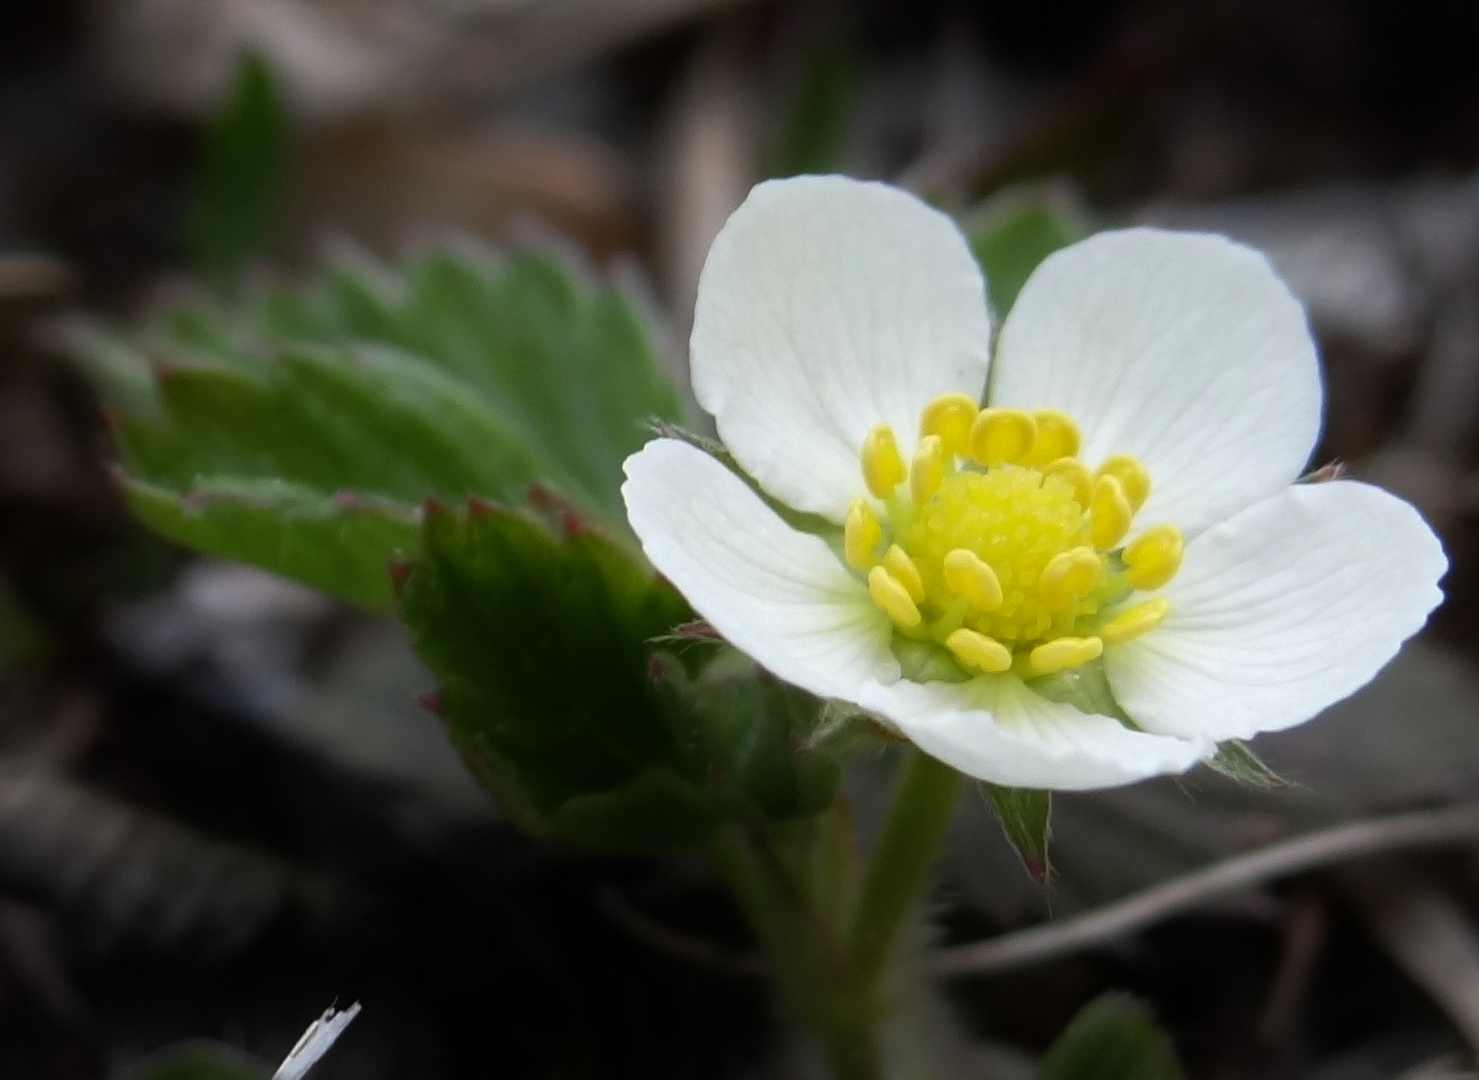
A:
(1290, 606)
(826, 307)
(998, 729)
(780, 595)
(1184, 349)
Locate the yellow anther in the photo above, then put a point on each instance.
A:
(928, 469)
(1134, 621)
(979, 652)
(950, 416)
(883, 466)
(861, 534)
(1000, 436)
(1069, 576)
(1064, 652)
(1154, 557)
(890, 595)
(1075, 474)
(1057, 437)
(1133, 477)
(1110, 512)
(897, 562)
(968, 575)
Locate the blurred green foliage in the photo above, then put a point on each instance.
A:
(1114, 1037)
(818, 109)
(238, 176)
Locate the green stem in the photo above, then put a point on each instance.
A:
(924, 802)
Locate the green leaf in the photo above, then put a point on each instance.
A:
(302, 430)
(1114, 1037)
(750, 735)
(1026, 817)
(542, 647)
(239, 176)
(1014, 231)
(198, 1060)
(818, 109)
(340, 544)
(1237, 762)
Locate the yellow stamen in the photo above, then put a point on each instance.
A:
(1064, 652)
(1154, 557)
(950, 416)
(861, 534)
(897, 562)
(883, 465)
(1111, 512)
(1133, 477)
(979, 652)
(1000, 436)
(1075, 474)
(1057, 437)
(928, 470)
(1069, 576)
(888, 594)
(968, 575)
(1134, 621)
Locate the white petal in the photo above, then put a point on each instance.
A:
(1284, 609)
(1184, 349)
(997, 729)
(826, 307)
(777, 594)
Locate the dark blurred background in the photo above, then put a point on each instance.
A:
(221, 808)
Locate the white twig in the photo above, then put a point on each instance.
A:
(1023, 948)
(315, 1043)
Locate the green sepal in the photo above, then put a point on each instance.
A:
(1014, 231)
(1240, 764)
(655, 811)
(200, 1059)
(1114, 1037)
(1026, 816)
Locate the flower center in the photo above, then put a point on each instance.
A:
(998, 545)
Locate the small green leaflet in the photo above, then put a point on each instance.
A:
(1114, 1037)
(1026, 817)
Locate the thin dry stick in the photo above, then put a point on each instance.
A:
(662, 938)
(1026, 947)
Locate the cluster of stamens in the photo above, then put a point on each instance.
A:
(999, 545)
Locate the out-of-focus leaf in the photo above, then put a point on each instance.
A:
(239, 175)
(199, 1060)
(1026, 817)
(301, 431)
(542, 648)
(1114, 1037)
(814, 126)
(1014, 231)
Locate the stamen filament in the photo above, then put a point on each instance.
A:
(978, 652)
(1134, 621)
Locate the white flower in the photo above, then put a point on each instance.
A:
(1127, 498)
